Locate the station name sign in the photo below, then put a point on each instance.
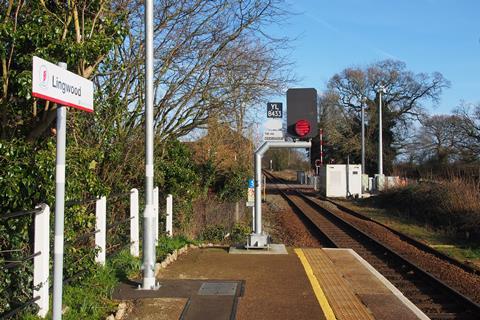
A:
(50, 82)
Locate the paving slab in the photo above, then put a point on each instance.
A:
(274, 286)
(210, 283)
(200, 299)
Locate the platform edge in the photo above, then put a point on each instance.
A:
(419, 313)
(317, 289)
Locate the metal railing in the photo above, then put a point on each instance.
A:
(41, 252)
(40, 257)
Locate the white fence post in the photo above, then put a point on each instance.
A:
(41, 262)
(169, 219)
(155, 214)
(134, 238)
(100, 227)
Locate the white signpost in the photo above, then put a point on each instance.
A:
(53, 83)
(273, 130)
(57, 84)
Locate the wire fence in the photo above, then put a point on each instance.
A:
(8, 254)
(118, 236)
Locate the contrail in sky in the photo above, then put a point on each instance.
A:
(331, 27)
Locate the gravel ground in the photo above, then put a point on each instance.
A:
(284, 225)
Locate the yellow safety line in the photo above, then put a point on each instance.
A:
(317, 289)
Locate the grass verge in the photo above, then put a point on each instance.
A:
(167, 245)
(91, 298)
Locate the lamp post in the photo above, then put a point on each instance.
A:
(364, 101)
(148, 216)
(381, 90)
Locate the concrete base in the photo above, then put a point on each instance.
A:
(379, 182)
(272, 249)
(257, 241)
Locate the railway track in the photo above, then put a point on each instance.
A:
(436, 298)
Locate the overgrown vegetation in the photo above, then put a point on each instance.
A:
(452, 206)
(283, 159)
(167, 245)
(91, 298)
(103, 41)
(221, 235)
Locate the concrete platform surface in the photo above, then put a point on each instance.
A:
(274, 286)
(310, 283)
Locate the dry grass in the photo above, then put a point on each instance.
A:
(210, 212)
(451, 205)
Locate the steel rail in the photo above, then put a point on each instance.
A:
(407, 238)
(466, 301)
(474, 305)
(420, 245)
(83, 237)
(80, 202)
(72, 203)
(116, 224)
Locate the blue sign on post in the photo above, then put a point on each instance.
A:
(251, 193)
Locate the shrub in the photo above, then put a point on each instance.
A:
(451, 205)
(232, 185)
(27, 180)
(91, 298)
(167, 245)
(239, 232)
(213, 233)
(178, 175)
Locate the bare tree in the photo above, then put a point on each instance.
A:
(211, 60)
(209, 56)
(438, 139)
(402, 104)
(469, 129)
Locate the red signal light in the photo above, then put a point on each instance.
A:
(302, 127)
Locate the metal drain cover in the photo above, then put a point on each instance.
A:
(218, 289)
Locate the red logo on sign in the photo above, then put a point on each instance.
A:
(43, 76)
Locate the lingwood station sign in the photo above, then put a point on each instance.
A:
(50, 82)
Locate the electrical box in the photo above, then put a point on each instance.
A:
(341, 180)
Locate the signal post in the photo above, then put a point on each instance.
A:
(302, 124)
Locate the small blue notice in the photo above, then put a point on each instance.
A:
(251, 183)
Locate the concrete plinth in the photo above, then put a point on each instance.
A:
(272, 249)
(257, 241)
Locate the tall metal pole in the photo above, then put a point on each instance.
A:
(363, 134)
(380, 129)
(258, 193)
(59, 208)
(321, 146)
(148, 216)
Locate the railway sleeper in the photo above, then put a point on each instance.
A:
(336, 226)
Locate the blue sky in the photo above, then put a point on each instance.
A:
(428, 35)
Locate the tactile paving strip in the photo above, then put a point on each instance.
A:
(344, 302)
